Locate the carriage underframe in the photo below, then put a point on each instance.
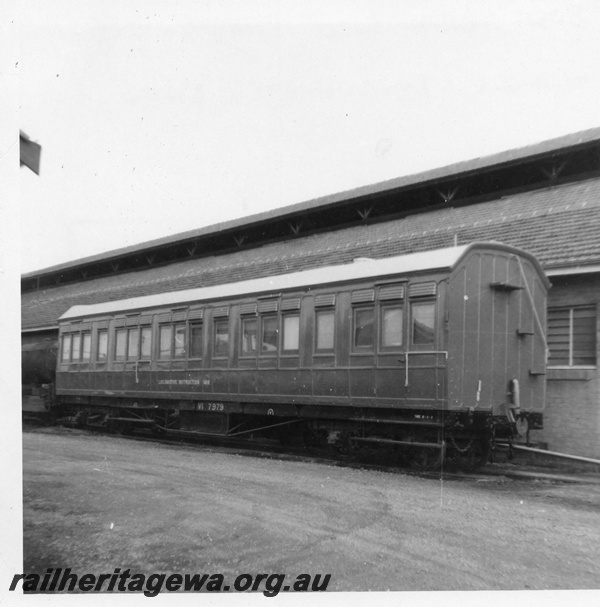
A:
(421, 439)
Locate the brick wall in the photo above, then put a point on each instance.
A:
(572, 415)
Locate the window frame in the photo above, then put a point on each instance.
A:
(169, 354)
(322, 313)
(383, 307)
(429, 301)
(148, 329)
(97, 352)
(571, 348)
(84, 335)
(192, 325)
(289, 351)
(264, 319)
(367, 349)
(66, 337)
(182, 355)
(245, 321)
(131, 331)
(76, 350)
(220, 322)
(116, 357)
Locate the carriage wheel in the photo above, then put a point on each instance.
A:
(426, 459)
(473, 456)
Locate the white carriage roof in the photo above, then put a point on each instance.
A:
(440, 259)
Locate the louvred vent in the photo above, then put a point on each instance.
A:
(363, 296)
(391, 292)
(422, 289)
(248, 308)
(291, 304)
(325, 300)
(197, 314)
(270, 305)
(179, 316)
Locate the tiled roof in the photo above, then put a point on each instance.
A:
(463, 168)
(559, 225)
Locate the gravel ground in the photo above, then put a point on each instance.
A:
(96, 502)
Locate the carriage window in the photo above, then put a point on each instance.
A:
(146, 343)
(196, 340)
(76, 347)
(291, 332)
(102, 346)
(391, 326)
(132, 343)
(270, 334)
(249, 335)
(86, 346)
(121, 344)
(66, 348)
(325, 331)
(164, 341)
(363, 328)
(222, 338)
(179, 350)
(423, 323)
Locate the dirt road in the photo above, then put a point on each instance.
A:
(93, 503)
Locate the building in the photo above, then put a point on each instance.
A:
(544, 198)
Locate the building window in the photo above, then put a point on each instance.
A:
(423, 323)
(249, 335)
(270, 334)
(291, 333)
(572, 336)
(325, 331)
(391, 326)
(363, 328)
(196, 348)
(222, 338)
(102, 352)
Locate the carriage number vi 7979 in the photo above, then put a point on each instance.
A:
(211, 407)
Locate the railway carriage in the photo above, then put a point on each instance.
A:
(430, 355)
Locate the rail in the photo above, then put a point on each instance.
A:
(578, 458)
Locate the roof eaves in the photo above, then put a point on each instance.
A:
(463, 168)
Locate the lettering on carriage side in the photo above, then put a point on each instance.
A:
(178, 382)
(210, 407)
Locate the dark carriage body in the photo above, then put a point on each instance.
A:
(454, 330)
